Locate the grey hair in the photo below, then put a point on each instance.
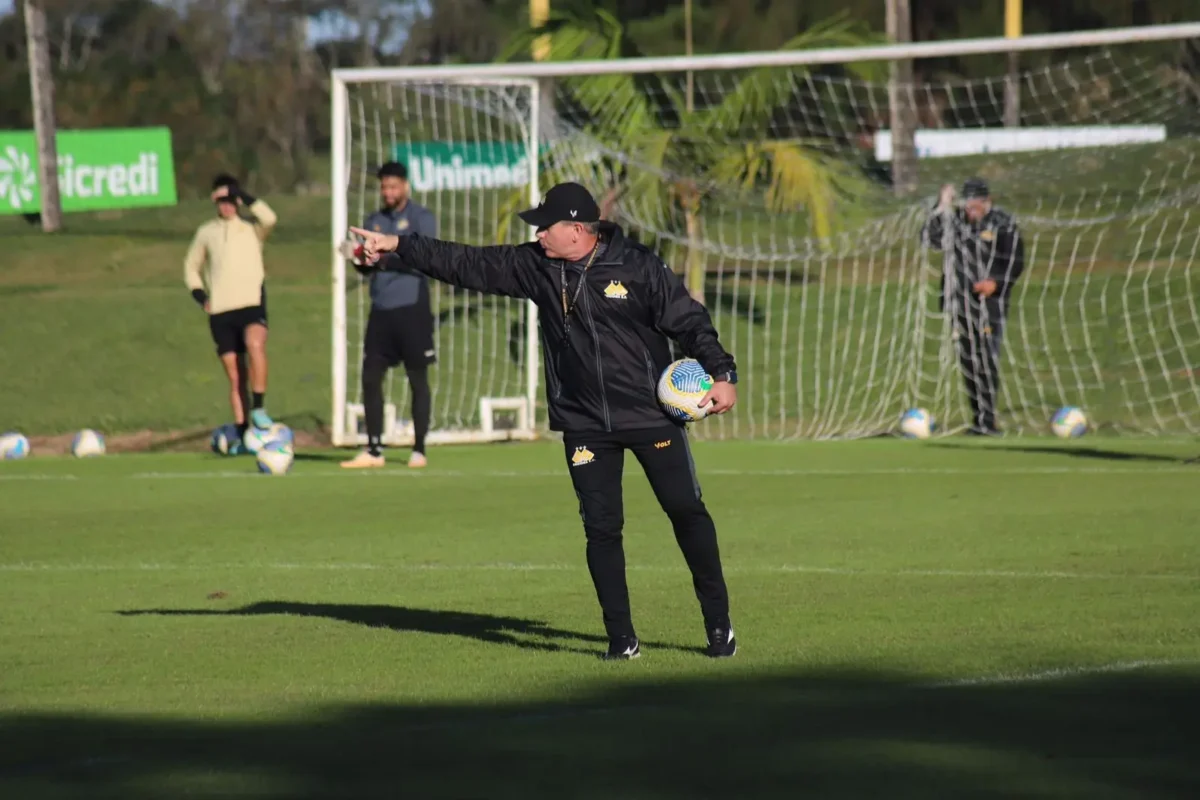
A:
(591, 227)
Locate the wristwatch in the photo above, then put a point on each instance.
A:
(727, 377)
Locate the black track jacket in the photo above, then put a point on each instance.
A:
(603, 375)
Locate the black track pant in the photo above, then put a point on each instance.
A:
(596, 463)
(373, 373)
(979, 339)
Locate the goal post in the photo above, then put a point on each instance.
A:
(767, 189)
(486, 380)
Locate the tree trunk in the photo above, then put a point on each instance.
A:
(1012, 81)
(1012, 92)
(41, 85)
(900, 102)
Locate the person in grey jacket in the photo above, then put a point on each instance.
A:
(400, 325)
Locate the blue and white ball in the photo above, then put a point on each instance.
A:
(680, 389)
(917, 423)
(13, 445)
(278, 432)
(87, 443)
(1069, 422)
(223, 439)
(275, 458)
(256, 438)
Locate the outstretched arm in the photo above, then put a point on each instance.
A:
(677, 314)
(499, 269)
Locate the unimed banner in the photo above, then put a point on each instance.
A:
(97, 169)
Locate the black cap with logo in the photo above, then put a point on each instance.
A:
(566, 202)
(975, 187)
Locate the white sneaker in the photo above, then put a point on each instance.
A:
(364, 460)
(417, 460)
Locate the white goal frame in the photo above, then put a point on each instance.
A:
(529, 74)
(345, 415)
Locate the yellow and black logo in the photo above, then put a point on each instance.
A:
(616, 291)
(987, 235)
(661, 445)
(582, 456)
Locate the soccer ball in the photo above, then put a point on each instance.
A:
(278, 432)
(275, 458)
(87, 443)
(13, 445)
(256, 438)
(680, 388)
(917, 423)
(223, 439)
(1069, 422)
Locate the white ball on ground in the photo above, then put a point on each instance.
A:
(87, 443)
(917, 423)
(1069, 422)
(275, 458)
(681, 386)
(13, 445)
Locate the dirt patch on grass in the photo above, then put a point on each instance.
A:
(181, 441)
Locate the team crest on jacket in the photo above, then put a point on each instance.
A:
(402, 224)
(987, 235)
(616, 291)
(582, 456)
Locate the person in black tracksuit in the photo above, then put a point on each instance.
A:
(987, 253)
(607, 307)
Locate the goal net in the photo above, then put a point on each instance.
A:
(467, 147)
(770, 183)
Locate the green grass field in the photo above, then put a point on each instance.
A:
(915, 619)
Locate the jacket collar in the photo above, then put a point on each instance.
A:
(614, 243)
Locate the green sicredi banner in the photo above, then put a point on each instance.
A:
(97, 169)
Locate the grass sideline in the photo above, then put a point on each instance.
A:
(915, 619)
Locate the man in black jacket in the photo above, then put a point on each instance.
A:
(607, 307)
(988, 256)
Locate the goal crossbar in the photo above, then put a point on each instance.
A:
(776, 58)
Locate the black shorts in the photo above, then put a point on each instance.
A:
(229, 327)
(398, 335)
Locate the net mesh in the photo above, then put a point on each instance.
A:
(770, 191)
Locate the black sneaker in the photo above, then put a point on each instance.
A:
(721, 643)
(623, 648)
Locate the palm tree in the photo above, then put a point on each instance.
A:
(664, 153)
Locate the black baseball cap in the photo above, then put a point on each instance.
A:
(566, 202)
(975, 187)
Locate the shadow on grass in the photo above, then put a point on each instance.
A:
(821, 734)
(513, 631)
(1079, 452)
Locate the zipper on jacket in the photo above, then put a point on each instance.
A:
(650, 373)
(552, 365)
(587, 306)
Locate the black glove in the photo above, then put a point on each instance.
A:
(241, 194)
(199, 296)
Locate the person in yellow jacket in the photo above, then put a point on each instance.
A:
(224, 271)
